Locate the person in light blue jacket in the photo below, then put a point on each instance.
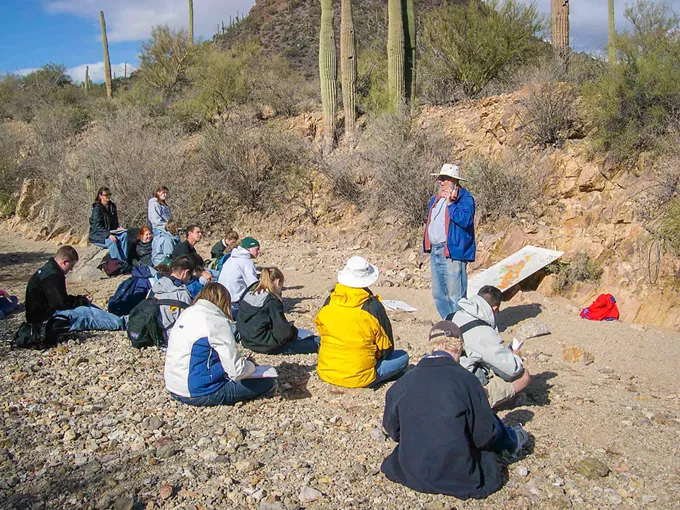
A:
(449, 238)
(164, 242)
(159, 210)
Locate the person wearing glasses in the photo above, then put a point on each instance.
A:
(105, 230)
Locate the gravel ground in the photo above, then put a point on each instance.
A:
(88, 424)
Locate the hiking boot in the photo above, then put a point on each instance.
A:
(522, 438)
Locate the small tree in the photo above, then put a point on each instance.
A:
(165, 61)
(470, 45)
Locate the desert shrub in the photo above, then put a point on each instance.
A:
(548, 114)
(398, 160)
(636, 102)
(263, 166)
(372, 94)
(128, 152)
(580, 269)
(347, 183)
(503, 188)
(11, 173)
(465, 47)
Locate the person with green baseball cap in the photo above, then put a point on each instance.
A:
(238, 272)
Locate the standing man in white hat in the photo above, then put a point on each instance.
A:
(450, 239)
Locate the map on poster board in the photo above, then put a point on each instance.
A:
(513, 269)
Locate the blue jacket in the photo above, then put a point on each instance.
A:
(460, 228)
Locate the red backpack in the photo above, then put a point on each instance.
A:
(603, 309)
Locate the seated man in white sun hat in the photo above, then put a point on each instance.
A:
(357, 346)
(450, 239)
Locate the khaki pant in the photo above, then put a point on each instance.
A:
(498, 390)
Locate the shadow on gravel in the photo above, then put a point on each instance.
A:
(17, 258)
(518, 417)
(296, 376)
(538, 392)
(291, 303)
(294, 287)
(512, 315)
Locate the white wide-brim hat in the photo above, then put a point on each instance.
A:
(358, 273)
(449, 170)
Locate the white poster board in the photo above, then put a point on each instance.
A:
(513, 269)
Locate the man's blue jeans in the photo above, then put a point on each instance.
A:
(231, 392)
(390, 366)
(91, 318)
(504, 437)
(449, 281)
(308, 345)
(117, 250)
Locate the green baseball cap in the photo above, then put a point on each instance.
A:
(249, 242)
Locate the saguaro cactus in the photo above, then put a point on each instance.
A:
(395, 53)
(107, 62)
(348, 68)
(612, 34)
(87, 78)
(560, 24)
(410, 40)
(191, 21)
(328, 74)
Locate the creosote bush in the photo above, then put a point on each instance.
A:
(504, 188)
(580, 269)
(548, 114)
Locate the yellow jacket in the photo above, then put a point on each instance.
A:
(355, 332)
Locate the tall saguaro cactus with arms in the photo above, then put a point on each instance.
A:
(410, 43)
(559, 12)
(348, 68)
(328, 74)
(107, 62)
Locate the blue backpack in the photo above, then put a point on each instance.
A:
(131, 292)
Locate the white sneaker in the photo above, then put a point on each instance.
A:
(522, 438)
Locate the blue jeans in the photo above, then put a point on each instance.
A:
(390, 366)
(231, 392)
(234, 310)
(308, 345)
(504, 437)
(91, 318)
(117, 250)
(449, 281)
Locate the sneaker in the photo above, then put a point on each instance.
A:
(522, 438)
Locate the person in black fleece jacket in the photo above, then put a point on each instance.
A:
(446, 432)
(103, 220)
(261, 321)
(46, 296)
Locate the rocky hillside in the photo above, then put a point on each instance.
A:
(291, 27)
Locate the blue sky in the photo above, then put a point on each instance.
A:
(35, 32)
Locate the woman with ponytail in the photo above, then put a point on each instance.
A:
(263, 325)
(159, 211)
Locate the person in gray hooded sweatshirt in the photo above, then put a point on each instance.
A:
(498, 368)
(238, 273)
(173, 286)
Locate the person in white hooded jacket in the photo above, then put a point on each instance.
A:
(238, 272)
(202, 365)
(498, 368)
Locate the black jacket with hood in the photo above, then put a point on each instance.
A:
(102, 221)
(46, 293)
(262, 323)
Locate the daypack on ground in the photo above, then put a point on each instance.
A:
(41, 336)
(602, 309)
(131, 292)
(143, 326)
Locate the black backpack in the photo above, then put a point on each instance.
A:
(143, 326)
(41, 336)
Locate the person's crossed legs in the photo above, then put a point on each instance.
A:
(91, 318)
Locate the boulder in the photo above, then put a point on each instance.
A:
(87, 269)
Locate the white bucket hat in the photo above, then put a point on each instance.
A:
(358, 273)
(449, 170)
